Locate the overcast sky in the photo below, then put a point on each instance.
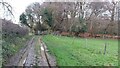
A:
(19, 6)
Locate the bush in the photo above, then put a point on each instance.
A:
(13, 39)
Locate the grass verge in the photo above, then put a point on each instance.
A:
(37, 49)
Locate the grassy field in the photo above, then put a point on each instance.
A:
(71, 51)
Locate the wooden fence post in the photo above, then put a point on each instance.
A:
(105, 48)
(86, 42)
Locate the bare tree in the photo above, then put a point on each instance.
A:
(6, 6)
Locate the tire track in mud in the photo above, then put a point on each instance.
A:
(28, 58)
(46, 59)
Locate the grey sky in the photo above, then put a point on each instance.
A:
(19, 6)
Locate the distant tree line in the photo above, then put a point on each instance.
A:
(77, 17)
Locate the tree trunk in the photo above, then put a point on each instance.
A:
(112, 15)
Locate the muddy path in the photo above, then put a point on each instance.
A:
(27, 56)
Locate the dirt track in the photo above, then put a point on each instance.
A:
(28, 57)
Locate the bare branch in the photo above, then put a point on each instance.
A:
(7, 6)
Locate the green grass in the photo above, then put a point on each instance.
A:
(37, 45)
(76, 52)
(37, 49)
